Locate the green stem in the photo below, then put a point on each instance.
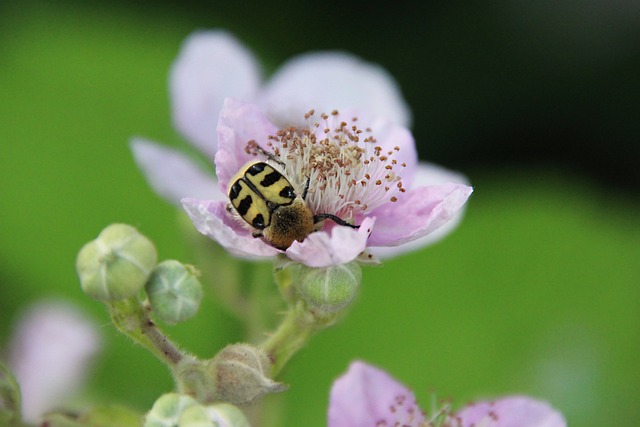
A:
(131, 318)
(190, 374)
(297, 327)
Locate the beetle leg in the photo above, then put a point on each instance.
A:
(339, 221)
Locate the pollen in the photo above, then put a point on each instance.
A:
(337, 158)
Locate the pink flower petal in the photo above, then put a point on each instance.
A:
(338, 246)
(239, 123)
(173, 175)
(516, 411)
(212, 219)
(428, 174)
(211, 66)
(418, 213)
(367, 397)
(432, 174)
(50, 353)
(326, 81)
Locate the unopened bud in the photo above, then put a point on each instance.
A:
(218, 415)
(195, 416)
(168, 409)
(117, 264)
(329, 289)
(174, 292)
(241, 373)
(9, 398)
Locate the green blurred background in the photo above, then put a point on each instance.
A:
(537, 102)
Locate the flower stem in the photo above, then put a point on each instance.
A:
(297, 327)
(131, 318)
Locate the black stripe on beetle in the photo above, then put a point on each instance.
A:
(271, 179)
(244, 205)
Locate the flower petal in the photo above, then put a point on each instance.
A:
(211, 66)
(212, 219)
(338, 246)
(515, 411)
(171, 174)
(49, 353)
(326, 81)
(239, 123)
(428, 174)
(418, 213)
(366, 396)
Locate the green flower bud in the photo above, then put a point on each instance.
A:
(196, 416)
(218, 415)
(9, 398)
(241, 374)
(329, 289)
(117, 264)
(226, 415)
(168, 409)
(174, 291)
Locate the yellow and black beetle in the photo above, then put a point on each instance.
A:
(265, 199)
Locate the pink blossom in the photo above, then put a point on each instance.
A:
(50, 352)
(366, 396)
(213, 65)
(363, 171)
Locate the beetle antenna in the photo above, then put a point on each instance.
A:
(306, 189)
(257, 149)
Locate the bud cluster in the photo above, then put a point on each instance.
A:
(121, 262)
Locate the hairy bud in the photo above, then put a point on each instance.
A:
(218, 415)
(329, 289)
(174, 291)
(241, 374)
(168, 409)
(117, 264)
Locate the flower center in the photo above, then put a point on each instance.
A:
(349, 173)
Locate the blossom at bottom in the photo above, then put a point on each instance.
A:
(366, 396)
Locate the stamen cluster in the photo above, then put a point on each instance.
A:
(349, 173)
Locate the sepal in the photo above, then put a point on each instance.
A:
(242, 374)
